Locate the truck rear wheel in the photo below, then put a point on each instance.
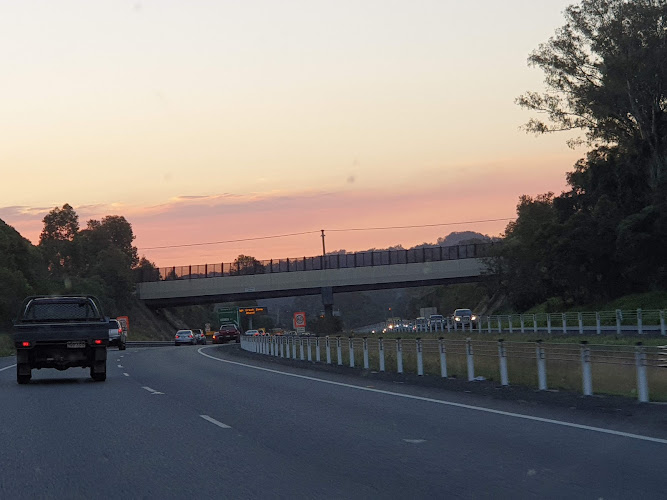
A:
(23, 373)
(98, 372)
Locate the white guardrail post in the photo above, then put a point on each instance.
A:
(328, 349)
(642, 383)
(308, 346)
(399, 355)
(294, 340)
(534, 323)
(339, 351)
(523, 324)
(662, 323)
(420, 357)
(471, 361)
(564, 323)
(549, 323)
(288, 348)
(281, 351)
(587, 381)
(366, 366)
(500, 325)
(619, 318)
(351, 340)
(598, 323)
(443, 357)
(509, 320)
(541, 366)
(317, 350)
(301, 356)
(502, 358)
(640, 322)
(488, 323)
(381, 352)
(580, 317)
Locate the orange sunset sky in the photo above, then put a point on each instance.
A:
(204, 121)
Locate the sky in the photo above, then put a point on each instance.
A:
(212, 120)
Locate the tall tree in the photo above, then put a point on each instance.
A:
(60, 227)
(605, 74)
(246, 264)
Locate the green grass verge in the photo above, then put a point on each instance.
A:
(6, 345)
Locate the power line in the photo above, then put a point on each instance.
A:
(419, 225)
(330, 230)
(230, 241)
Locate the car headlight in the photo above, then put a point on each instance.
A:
(473, 317)
(457, 318)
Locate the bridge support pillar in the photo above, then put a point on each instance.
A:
(327, 301)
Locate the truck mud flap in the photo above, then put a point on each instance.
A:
(100, 355)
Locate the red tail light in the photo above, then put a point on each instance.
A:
(25, 344)
(215, 336)
(98, 342)
(120, 331)
(189, 336)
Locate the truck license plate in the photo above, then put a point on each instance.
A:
(76, 344)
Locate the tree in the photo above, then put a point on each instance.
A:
(61, 225)
(245, 264)
(606, 74)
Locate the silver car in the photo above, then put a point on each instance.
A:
(184, 337)
(117, 336)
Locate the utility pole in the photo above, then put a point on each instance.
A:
(324, 252)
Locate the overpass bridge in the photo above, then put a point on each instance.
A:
(326, 275)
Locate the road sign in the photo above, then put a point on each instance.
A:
(228, 315)
(250, 311)
(299, 320)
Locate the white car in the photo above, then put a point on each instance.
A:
(464, 317)
(251, 333)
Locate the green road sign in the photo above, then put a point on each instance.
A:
(228, 315)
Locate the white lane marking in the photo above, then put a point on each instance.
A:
(152, 391)
(215, 422)
(126, 374)
(447, 403)
(415, 441)
(120, 366)
(7, 367)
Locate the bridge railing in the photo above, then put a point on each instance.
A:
(583, 367)
(317, 263)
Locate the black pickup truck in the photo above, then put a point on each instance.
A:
(61, 332)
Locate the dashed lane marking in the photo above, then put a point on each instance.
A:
(215, 422)
(120, 366)
(152, 391)
(126, 374)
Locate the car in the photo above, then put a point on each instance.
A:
(436, 322)
(200, 336)
(251, 333)
(227, 332)
(184, 337)
(117, 337)
(463, 318)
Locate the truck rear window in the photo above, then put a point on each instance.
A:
(60, 311)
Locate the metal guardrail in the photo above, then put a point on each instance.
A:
(318, 263)
(619, 322)
(614, 365)
(149, 343)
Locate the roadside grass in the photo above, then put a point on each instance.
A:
(6, 345)
(646, 300)
(613, 368)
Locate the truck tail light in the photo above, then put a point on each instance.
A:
(25, 344)
(97, 342)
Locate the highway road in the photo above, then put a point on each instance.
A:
(202, 422)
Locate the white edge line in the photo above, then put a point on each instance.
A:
(215, 422)
(7, 367)
(448, 403)
(126, 374)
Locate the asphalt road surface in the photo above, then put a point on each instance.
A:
(200, 422)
